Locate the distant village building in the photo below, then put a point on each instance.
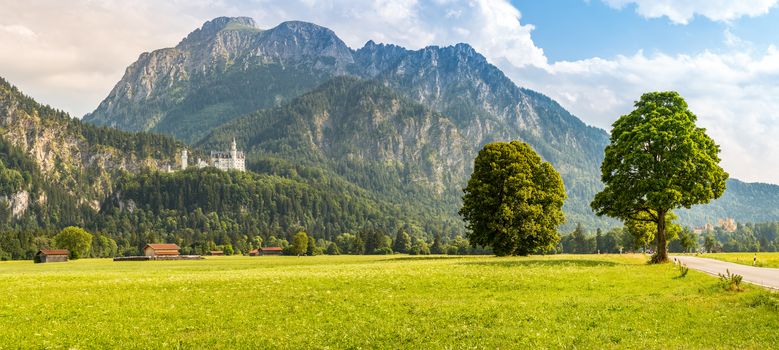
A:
(229, 160)
(161, 249)
(271, 251)
(217, 252)
(51, 255)
(727, 225)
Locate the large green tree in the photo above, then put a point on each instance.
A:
(513, 201)
(75, 239)
(658, 160)
(300, 243)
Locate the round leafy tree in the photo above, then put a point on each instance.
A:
(513, 201)
(300, 244)
(75, 239)
(658, 160)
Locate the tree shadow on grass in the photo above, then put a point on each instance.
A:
(544, 263)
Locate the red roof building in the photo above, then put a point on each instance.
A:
(161, 249)
(271, 251)
(51, 255)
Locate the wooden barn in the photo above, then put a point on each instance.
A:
(271, 251)
(51, 255)
(254, 252)
(217, 253)
(161, 249)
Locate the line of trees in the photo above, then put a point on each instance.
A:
(374, 242)
(748, 237)
(20, 245)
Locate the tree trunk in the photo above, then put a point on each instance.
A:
(661, 255)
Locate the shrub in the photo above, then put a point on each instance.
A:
(332, 249)
(228, 249)
(730, 281)
(683, 270)
(383, 251)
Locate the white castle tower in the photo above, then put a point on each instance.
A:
(184, 160)
(234, 151)
(231, 160)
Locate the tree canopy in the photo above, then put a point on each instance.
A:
(300, 243)
(658, 160)
(75, 239)
(513, 201)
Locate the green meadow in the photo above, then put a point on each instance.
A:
(769, 259)
(385, 302)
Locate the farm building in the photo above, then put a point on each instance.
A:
(217, 252)
(51, 255)
(271, 251)
(254, 252)
(161, 249)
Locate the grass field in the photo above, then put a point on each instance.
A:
(763, 259)
(366, 302)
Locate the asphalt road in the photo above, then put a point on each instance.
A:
(762, 276)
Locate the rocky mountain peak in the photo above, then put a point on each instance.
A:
(301, 27)
(306, 39)
(376, 58)
(216, 25)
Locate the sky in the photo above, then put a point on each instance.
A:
(595, 57)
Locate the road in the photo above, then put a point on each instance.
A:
(762, 276)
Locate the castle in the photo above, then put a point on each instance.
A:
(727, 225)
(230, 160)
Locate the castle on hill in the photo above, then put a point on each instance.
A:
(222, 160)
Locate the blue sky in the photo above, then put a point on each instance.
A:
(595, 57)
(574, 29)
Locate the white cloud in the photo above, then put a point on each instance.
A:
(19, 30)
(733, 94)
(682, 11)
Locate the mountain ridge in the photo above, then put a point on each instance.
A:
(244, 70)
(454, 80)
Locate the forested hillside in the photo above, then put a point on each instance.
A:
(56, 171)
(196, 207)
(745, 202)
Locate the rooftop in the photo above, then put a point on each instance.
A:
(53, 252)
(162, 246)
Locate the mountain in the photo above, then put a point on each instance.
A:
(227, 68)
(745, 202)
(66, 166)
(487, 106)
(56, 171)
(355, 127)
(230, 68)
(403, 124)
